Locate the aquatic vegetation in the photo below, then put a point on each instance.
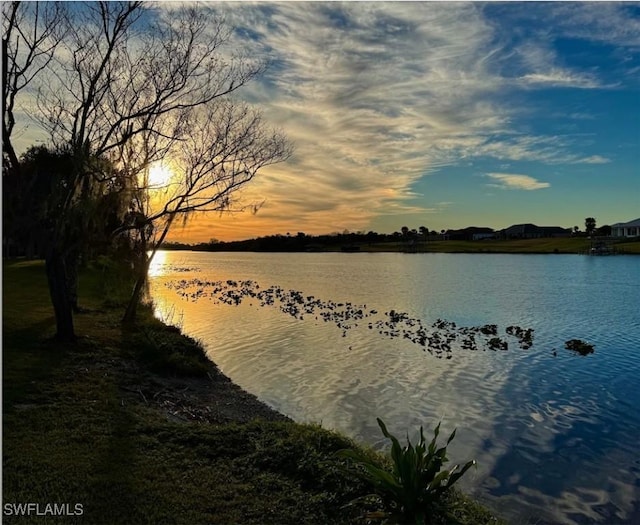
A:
(495, 343)
(577, 345)
(440, 339)
(524, 335)
(489, 329)
(416, 483)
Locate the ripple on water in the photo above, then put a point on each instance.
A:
(556, 436)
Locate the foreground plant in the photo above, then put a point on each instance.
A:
(412, 490)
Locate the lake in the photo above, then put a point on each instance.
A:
(342, 338)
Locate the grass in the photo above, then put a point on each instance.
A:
(73, 431)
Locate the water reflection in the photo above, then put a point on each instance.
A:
(158, 264)
(555, 436)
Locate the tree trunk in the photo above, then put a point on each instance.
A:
(72, 265)
(136, 296)
(141, 269)
(57, 279)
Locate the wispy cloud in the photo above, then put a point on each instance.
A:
(552, 149)
(513, 181)
(614, 23)
(374, 96)
(561, 78)
(540, 66)
(595, 159)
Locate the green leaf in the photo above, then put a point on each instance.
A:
(439, 479)
(352, 454)
(455, 477)
(383, 427)
(432, 445)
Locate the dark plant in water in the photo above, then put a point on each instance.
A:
(411, 491)
(577, 345)
(495, 343)
(489, 329)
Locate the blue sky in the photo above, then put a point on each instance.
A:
(446, 114)
(441, 114)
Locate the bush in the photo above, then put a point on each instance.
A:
(412, 490)
(165, 350)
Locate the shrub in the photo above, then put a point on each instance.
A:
(411, 491)
(165, 350)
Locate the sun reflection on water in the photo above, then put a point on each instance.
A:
(158, 264)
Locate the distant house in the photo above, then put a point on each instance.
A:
(626, 229)
(556, 231)
(521, 231)
(478, 236)
(472, 233)
(531, 231)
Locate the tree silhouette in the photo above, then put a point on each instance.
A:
(223, 147)
(424, 233)
(589, 225)
(37, 198)
(31, 33)
(130, 88)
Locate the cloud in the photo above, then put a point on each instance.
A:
(374, 96)
(553, 149)
(539, 66)
(560, 78)
(614, 23)
(595, 159)
(512, 181)
(377, 95)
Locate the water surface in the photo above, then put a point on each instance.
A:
(556, 435)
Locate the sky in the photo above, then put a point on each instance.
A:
(440, 114)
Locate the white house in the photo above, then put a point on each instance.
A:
(626, 229)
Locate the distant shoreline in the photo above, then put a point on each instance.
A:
(512, 246)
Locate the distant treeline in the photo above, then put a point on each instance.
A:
(406, 239)
(302, 242)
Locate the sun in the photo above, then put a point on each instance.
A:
(159, 175)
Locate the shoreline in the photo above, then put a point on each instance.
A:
(212, 398)
(576, 246)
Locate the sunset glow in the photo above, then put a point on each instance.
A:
(159, 175)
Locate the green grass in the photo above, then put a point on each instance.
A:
(72, 433)
(551, 245)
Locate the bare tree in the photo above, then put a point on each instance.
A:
(31, 31)
(222, 149)
(131, 85)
